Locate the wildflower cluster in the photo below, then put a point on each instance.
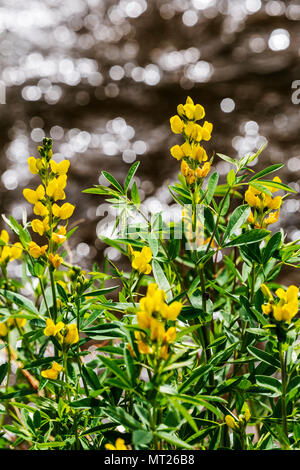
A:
(285, 307)
(194, 164)
(44, 200)
(265, 207)
(153, 317)
(8, 252)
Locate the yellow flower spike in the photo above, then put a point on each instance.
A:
(60, 168)
(40, 226)
(177, 124)
(4, 237)
(177, 152)
(231, 422)
(3, 330)
(52, 329)
(16, 251)
(40, 209)
(53, 372)
(63, 212)
(119, 445)
(141, 260)
(33, 196)
(72, 335)
(55, 260)
(35, 250)
(32, 165)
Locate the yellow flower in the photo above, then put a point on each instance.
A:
(33, 196)
(157, 330)
(193, 131)
(60, 168)
(5, 255)
(185, 169)
(20, 322)
(144, 348)
(202, 172)
(72, 335)
(287, 306)
(32, 165)
(3, 329)
(55, 260)
(16, 251)
(63, 212)
(191, 111)
(247, 415)
(177, 124)
(271, 219)
(153, 301)
(177, 152)
(52, 329)
(119, 445)
(231, 422)
(40, 226)
(171, 312)
(170, 335)
(141, 260)
(55, 188)
(4, 237)
(59, 237)
(40, 209)
(207, 130)
(144, 319)
(53, 372)
(35, 250)
(266, 291)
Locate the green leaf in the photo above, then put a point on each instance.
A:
(252, 236)
(135, 194)
(266, 171)
(172, 439)
(264, 356)
(161, 279)
(211, 186)
(130, 367)
(273, 184)
(271, 383)
(111, 365)
(20, 300)
(121, 416)
(130, 175)
(140, 437)
(96, 293)
(237, 218)
(231, 177)
(227, 159)
(272, 245)
(3, 371)
(113, 181)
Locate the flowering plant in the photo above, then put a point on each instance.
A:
(196, 339)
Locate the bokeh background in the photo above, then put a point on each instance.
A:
(103, 77)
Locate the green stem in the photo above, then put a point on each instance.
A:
(283, 393)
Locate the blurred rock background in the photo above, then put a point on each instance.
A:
(103, 77)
